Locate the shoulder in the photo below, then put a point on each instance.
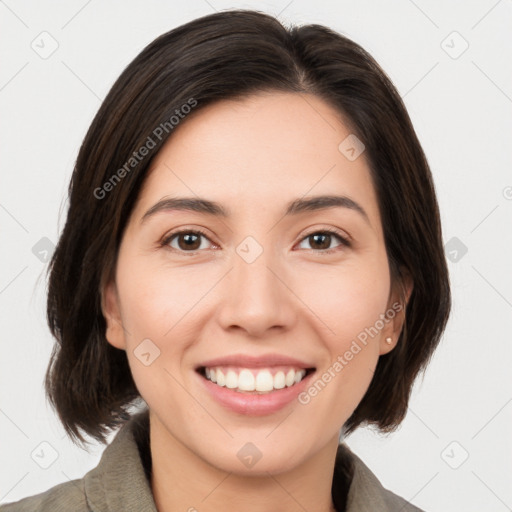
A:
(367, 494)
(60, 498)
(117, 483)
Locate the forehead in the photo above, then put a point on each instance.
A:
(262, 151)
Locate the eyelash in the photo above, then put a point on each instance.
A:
(343, 241)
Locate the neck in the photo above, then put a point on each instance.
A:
(183, 480)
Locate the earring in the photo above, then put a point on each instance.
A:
(389, 341)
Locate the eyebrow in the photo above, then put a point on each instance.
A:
(200, 205)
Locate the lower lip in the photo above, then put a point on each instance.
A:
(253, 404)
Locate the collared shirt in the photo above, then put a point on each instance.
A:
(120, 482)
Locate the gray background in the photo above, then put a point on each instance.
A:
(453, 451)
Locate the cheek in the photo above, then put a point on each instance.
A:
(346, 306)
(339, 302)
(162, 310)
(158, 301)
(346, 300)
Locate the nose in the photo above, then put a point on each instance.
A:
(256, 297)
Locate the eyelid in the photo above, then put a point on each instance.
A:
(344, 238)
(343, 235)
(166, 239)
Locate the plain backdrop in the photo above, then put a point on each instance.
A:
(451, 62)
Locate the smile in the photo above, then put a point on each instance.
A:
(266, 393)
(255, 381)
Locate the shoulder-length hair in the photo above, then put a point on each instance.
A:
(230, 55)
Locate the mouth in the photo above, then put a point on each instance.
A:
(255, 381)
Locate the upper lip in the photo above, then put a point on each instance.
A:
(265, 360)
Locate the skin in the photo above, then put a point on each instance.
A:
(253, 156)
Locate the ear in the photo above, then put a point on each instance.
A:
(395, 313)
(111, 311)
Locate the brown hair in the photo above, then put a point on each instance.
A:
(230, 55)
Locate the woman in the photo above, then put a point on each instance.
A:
(253, 255)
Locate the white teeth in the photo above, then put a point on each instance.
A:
(279, 381)
(264, 381)
(248, 380)
(231, 379)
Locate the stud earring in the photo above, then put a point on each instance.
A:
(389, 341)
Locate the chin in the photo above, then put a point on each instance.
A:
(248, 460)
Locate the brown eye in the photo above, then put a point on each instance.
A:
(186, 240)
(189, 241)
(321, 241)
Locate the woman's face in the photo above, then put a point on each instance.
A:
(260, 282)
